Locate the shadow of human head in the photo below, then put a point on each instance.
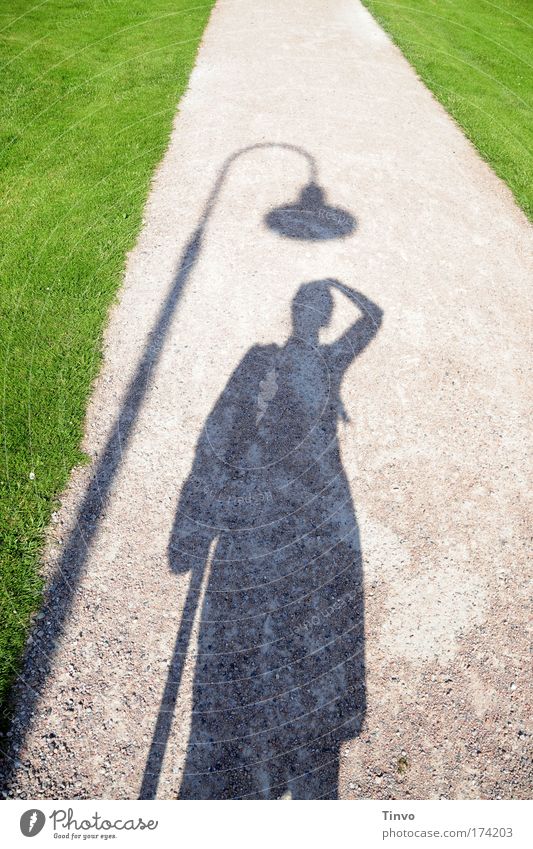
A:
(312, 308)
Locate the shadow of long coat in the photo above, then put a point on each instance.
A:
(279, 680)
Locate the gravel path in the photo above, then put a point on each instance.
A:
(296, 565)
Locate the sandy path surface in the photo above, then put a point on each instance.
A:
(296, 565)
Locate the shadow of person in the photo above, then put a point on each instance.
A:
(266, 524)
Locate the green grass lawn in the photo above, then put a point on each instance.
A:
(88, 92)
(476, 56)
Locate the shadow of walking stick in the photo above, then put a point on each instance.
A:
(161, 733)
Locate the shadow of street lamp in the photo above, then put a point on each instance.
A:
(310, 218)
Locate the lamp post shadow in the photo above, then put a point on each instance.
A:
(309, 218)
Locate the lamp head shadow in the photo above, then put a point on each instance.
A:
(311, 218)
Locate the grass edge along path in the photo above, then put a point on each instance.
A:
(88, 93)
(476, 57)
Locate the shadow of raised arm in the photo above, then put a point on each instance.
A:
(348, 346)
